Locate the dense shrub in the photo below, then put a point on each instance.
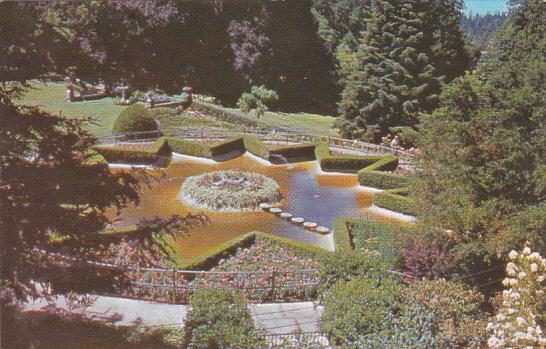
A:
(415, 327)
(258, 100)
(342, 235)
(386, 163)
(379, 239)
(134, 154)
(459, 310)
(426, 253)
(135, 118)
(343, 266)
(359, 307)
(219, 318)
(295, 152)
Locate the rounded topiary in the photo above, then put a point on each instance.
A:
(230, 190)
(135, 118)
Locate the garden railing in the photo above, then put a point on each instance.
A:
(212, 134)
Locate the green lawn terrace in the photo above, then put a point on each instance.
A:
(51, 96)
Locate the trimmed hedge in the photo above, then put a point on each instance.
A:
(225, 114)
(295, 153)
(211, 257)
(129, 156)
(257, 147)
(394, 202)
(322, 150)
(189, 147)
(383, 180)
(135, 118)
(342, 235)
(386, 163)
(236, 144)
(348, 163)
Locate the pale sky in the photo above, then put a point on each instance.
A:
(485, 6)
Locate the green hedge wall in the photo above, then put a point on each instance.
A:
(394, 202)
(386, 163)
(347, 163)
(236, 144)
(257, 147)
(189, 148)
(295, 153)
(224, 114)
(211, 257)
(322, 150)
(342, 235)
(129, 156)
(383, 180)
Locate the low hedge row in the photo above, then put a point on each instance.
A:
(383, 180)
(189, 148)
(211, 257)
(394, 202)
(347, 163)
(150, 155)
(237, 144)
(295, 153)
(342, 235)
(225, 114)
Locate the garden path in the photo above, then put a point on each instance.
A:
(275, 318)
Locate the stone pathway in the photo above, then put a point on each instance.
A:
(275, 318)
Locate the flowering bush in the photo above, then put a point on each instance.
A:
(230, 190)
(515, 324)
(266, 271)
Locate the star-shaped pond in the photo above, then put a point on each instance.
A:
(307, 192)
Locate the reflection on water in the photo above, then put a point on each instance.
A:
(307, 193)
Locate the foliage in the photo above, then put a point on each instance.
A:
(266, 271)
(427, 253)
(359, 307)
(458, 310)
(219, 318)
(405, 54)
(515, 324)
(481, 29)
(135, 118)
(484, 148)
(377, 239)
(258, 100)
(230, 190)
(344, 266)
(415, 327)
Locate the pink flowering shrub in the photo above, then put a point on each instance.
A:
(515, 324)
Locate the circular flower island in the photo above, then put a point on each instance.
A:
(230, 191)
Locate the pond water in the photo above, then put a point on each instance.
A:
(307, 192)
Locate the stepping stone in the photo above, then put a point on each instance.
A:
(265, 206)
(310, 225)
(286, 215)
(323, 230)
(275, 210)
(298, 220)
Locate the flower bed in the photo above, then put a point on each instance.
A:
(230, 190)
(266, 271)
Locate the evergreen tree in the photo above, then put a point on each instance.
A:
(408, 50)
(484, 149)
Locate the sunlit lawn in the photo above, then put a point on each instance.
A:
(51, 97)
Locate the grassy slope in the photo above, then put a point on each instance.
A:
(51, 96)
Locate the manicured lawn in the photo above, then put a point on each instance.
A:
(51, 96)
